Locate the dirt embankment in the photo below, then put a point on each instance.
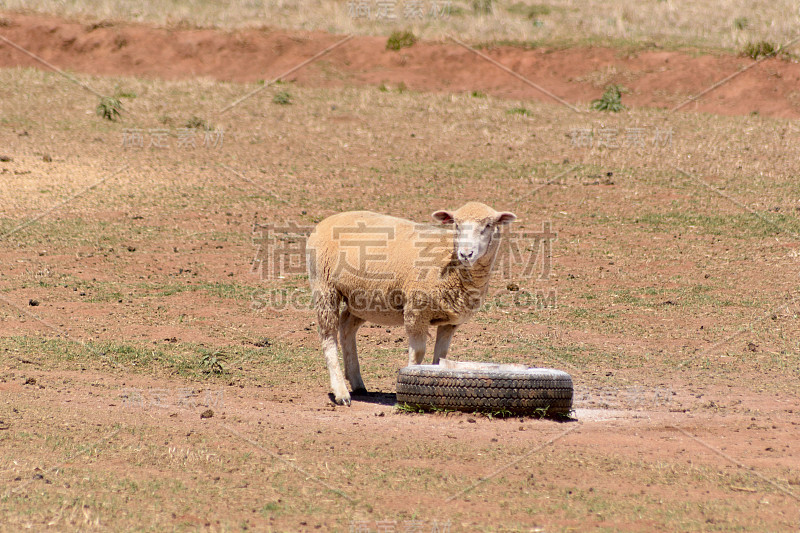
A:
(655, 78)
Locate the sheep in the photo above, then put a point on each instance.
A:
(391, 271)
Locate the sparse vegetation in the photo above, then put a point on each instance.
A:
(195, 122)
(109, 108)
(212, 362)
(704, 25)
(530, 11)
(282, 98)
(119, 92)
(400, 39)
(759, 49)
(482, 7)
(611, 101)
(519, 111)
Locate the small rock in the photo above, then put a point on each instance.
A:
(208, 413)
(47, 158)
(752, 346)
(513, 287)
(5, 158)
(131, 248)
(30, 381)
(33, 303)
(471, 420)
(263, 343)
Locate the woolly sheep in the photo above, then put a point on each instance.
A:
(392, 271)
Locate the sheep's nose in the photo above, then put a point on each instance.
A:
(466, 255)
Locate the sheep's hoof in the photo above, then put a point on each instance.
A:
(340, 400)
(361, 391)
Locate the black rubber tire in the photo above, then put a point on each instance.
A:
(532, 391)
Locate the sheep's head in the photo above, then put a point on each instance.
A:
(476, 230)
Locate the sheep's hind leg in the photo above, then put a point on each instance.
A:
(348, 327)
(444, 334)
(327, 304)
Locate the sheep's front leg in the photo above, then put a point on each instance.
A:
(348, 327)
(444, 334)
(417, 331)
(338, 386)
(416, 346)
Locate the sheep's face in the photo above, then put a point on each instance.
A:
(476, 230)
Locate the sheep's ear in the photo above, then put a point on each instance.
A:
(505, 218)
(444, 217)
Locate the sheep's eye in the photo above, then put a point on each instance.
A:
(486, 229)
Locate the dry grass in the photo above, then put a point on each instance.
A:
(640, 266)
(727, 25)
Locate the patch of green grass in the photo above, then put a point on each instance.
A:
(282, 98)
(270, 509)
(190, 360)
(409, 409)
(478, 94)
(516, 43)
(759, 49)
(109, 108)
(738, 225)
(212, 362)
(482, 7)
(400, 39)
(122, 93)
(529, 11)
(611, 101)
(519, 111)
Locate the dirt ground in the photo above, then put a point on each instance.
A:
(128, 268)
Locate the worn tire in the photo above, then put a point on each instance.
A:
(486, 387)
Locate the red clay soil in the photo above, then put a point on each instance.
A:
(655, 78)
